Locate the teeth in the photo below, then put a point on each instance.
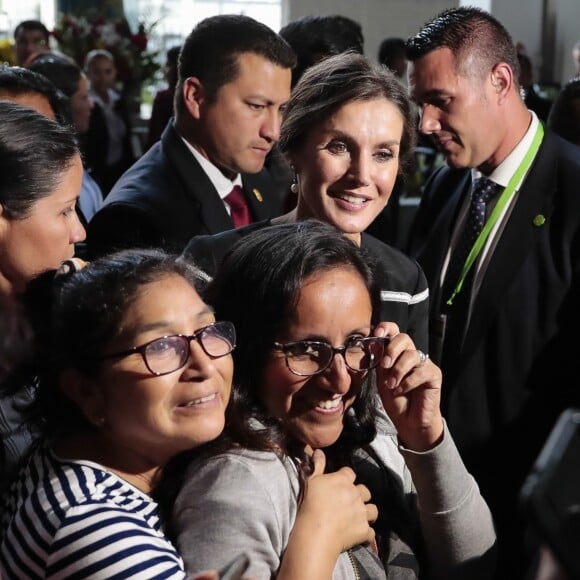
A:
(332, 404)
(201, 400)
(352, 199)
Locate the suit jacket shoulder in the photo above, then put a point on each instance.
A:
(207, 252)
(404, 294)
(166, 198)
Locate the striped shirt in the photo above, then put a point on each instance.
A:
(74, 519)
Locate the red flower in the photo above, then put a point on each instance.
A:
(139, 40)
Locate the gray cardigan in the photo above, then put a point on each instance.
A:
(245, 501)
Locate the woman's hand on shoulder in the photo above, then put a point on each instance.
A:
(409, 385)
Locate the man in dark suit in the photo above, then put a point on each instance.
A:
(502, 324)
(234, 79)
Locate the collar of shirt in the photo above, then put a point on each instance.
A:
(504, 171)
(113, 98)
(222, 184)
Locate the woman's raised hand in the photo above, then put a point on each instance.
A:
(409, 385)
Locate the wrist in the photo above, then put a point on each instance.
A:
(423, 439)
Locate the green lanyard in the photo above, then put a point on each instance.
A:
(504, 199)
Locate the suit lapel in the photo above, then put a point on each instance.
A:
(196, 184)
(259, 191)
(432, 254)
(258, 188)
(518, 237)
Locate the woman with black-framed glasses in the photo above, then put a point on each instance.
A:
(316, 370)
(136, 370)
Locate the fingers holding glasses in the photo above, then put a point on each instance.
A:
(398, 344)
(388, 329)
(410, 369)
(412, 401)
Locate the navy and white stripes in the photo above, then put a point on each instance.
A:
(69, 519)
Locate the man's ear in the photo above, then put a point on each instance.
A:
(502, 78)
(193, 96)
(86, 395)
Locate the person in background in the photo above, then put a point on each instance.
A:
(393, 55)
(206, 174)
(564, 118)
(347, 133)
(31, 37)
(136, 369)
(315, 372)
(41, 173)
(534, 101)
(504, 302)
(162, 110)
(33, 90)
(312, 38)
(68, 78)
(107, 142)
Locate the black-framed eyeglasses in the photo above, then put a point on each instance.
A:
(167, 354)
(311, 357)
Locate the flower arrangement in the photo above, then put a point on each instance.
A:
(76, 36)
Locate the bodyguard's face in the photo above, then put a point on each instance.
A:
(457, 110)
(239, 127)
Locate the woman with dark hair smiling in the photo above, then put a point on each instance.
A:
(314, 371)
(348, 132)
(135, 370)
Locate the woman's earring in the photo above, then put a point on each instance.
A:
(99, 421)
(294, 186)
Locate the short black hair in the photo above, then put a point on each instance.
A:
(61, 72)
(315, 37)
(210, 52)
(390, 49)
(32, 25)
(17, 80)
(172, 55)
(467, 31)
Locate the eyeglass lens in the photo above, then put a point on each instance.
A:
(170, 353)
(309, 357)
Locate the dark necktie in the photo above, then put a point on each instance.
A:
(240, 213)
(483, 192)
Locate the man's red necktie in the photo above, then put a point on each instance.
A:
(240, 213)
